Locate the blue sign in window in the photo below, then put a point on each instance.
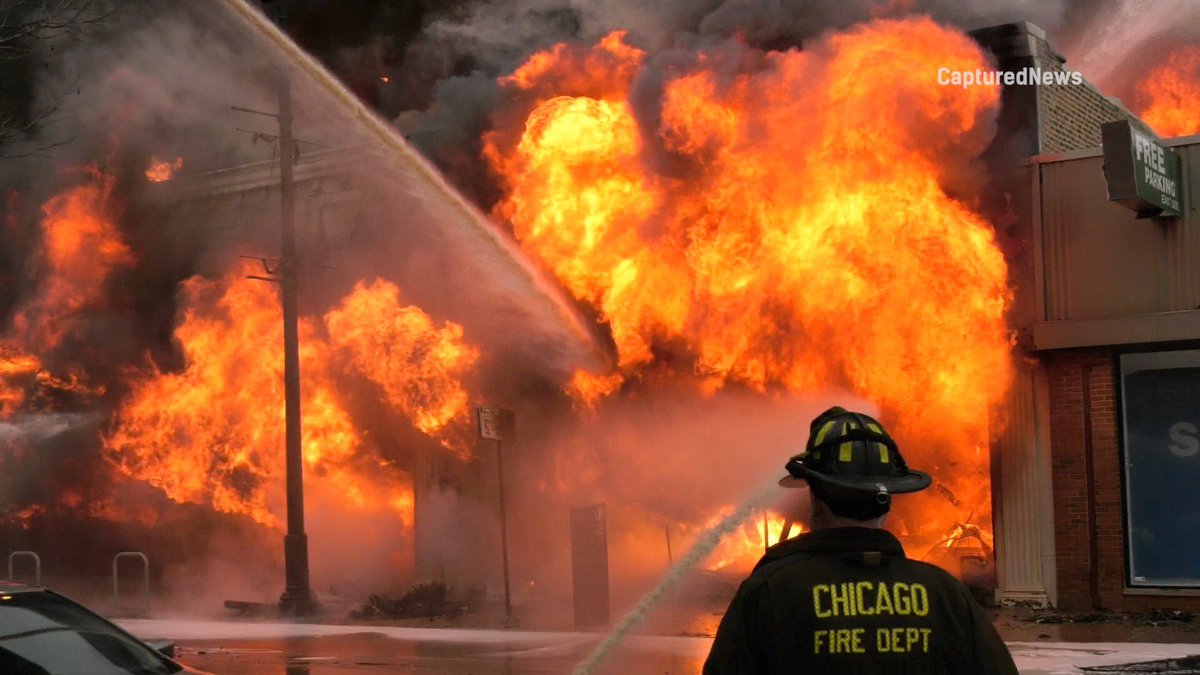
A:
(1161, 404)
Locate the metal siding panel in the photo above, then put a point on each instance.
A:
(1052, 261)
(1038, 244)
(1020, 516)
(1105, 262)
(1188, 271)
(1182, 241)
(1122, 330)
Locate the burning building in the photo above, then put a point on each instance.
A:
(422, 371)
(688, 252)
(1102, 304)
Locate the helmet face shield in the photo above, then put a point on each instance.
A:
(852, 456)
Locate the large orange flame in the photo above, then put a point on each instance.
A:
(81, 247)
(213, 432)
(739, 550)
(161, 170)
(419, 366)
(17, 370)
(783, 219)
(1169, 95)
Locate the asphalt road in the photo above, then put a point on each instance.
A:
(256, 648)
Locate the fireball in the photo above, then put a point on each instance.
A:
(1169, 95)
(779, 221)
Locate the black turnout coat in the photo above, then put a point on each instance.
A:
(847, 600)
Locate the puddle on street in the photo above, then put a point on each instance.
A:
(375, 653)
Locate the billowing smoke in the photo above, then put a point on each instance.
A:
(117, 281)
(1117, 43)
(157, 81)
(140, 373)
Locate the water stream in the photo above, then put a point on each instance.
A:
(703, 546)
(407, 160)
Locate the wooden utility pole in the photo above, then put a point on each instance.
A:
(297, 597)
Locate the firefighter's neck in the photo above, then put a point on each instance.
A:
(824, 519)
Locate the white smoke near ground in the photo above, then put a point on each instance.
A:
(665, 462)
(680, 451)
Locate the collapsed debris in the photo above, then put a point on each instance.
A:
(433, 600)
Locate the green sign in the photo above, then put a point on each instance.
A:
(1142, 175)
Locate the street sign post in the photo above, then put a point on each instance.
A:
(489, 422)
(498, 424)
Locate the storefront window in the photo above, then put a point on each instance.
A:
(1161, 407)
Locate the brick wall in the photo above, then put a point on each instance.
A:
(1068, 466)
(1055, 117)
(1071, 115)
(1088, 517)
(1089, 523)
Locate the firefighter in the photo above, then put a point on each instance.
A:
(844, 598)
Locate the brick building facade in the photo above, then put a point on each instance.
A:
(1093, 286)
(1089, 502)
(1087, 496)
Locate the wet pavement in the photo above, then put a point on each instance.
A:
(235, 648)
(256, 648)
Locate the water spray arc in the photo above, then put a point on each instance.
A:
(535, 291)
(404, 158)
(704, 546)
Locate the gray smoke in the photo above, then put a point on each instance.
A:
(160, 80)
(160, 77)
(461, 53)
(1125, 38)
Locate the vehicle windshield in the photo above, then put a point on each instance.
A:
(42, 633)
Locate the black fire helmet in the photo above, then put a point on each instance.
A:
(851, 457)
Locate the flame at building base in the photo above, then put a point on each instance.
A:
(213, 432)
(79, 249)
(1169, 95)
(751, 226)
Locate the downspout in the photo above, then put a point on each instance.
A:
(1089, 465)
